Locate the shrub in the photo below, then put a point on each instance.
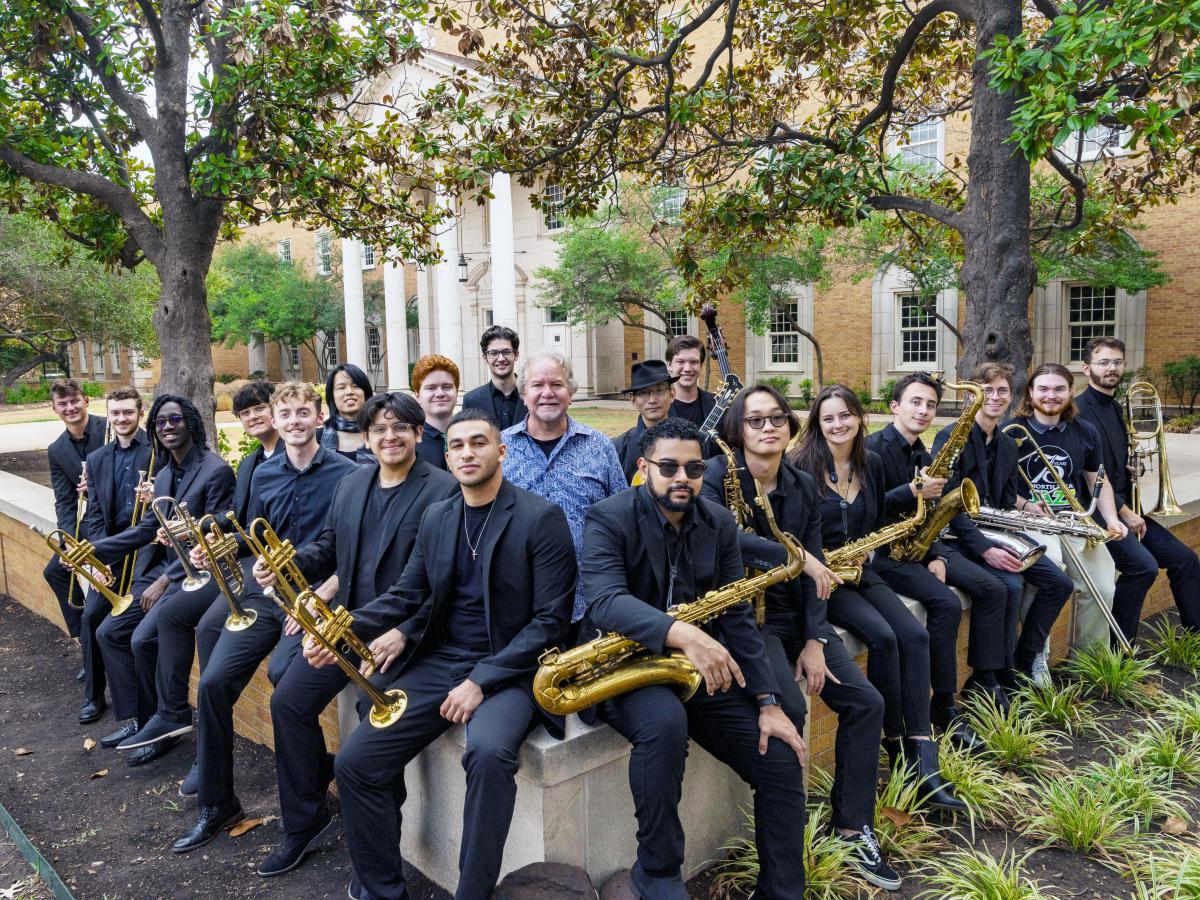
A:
(257, 374)
(885, 391)
(807, 394)
(1182, 713)
(227, 378)
(39, 392)
(781, 383)
(224, 403)
(991, 796)
(900, 822)
(1182, 377)
(1182, 424)
(865, 396)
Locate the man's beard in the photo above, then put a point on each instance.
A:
(669, 503)
(1099, 380)
(1046, 411)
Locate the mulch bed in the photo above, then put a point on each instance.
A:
(32, 465)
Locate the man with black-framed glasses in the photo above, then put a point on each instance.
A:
(650, 393)
(501, 349)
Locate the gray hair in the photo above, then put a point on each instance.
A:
(542, 356)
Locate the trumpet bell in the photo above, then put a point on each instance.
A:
(240, 622)
(196, 581)
(383, 716)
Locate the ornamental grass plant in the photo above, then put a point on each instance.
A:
(1017, 740)
(968, 874)
(1109, 674)
(1172, 646)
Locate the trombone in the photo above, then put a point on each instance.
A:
(1144, 420)
(323, 627)
(80, 557)
(1077, 513)
(179, 525)
(221, 551)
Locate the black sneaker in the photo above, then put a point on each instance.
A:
(290, 854)
(155, 730)
(867, 859)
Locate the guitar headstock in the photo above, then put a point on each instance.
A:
(708, 315)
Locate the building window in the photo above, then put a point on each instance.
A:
(918, 330)
(115, 359)
(670, 204)
(83, 357)
(284, 250)
(489, 318)
(1098, 141)
(324, 253)
(921, 145)
(677, 322)
(1092, 313)
(331, 350)
(374, 347)
(556, 314)
(294, 357)
(784, 342)
(368, 257)
(98, 356)
(552, 207)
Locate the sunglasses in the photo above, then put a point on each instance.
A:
(758, 422)
(175, 420)
(668, 467)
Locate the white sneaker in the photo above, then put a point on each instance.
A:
(1040, 670)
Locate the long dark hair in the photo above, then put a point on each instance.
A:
(355, 374)
(1025, 409)
(191, 417)
(813, 456)
(732, 423)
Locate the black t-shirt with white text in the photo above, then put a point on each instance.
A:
(1072, 448)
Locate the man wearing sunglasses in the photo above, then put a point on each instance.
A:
(500, 397)
(650, 393)
(194, 475)
(647, 549)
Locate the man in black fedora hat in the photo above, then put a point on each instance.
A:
(650, 392)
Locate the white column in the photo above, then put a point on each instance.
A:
(352, 290)
(395, 321)
(449, 309)
(504, 267)
(257, 352)
(425, 342)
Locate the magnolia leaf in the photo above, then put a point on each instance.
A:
(249, 825)
(1175, 825)
(22, 751)
(89, 744)
(100, 774)
(897, 817)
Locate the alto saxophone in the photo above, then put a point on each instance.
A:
(964, 497)
(570, 680)
(843, 560)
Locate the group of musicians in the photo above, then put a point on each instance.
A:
(466, 544)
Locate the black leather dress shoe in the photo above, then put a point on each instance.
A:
(156, 729)
(213, 820)
(111, 740)
(295, 847)
(191, 782)
(92, 711)
(952, 721)
(151, 752)
(81, 675)
(985, 693)
(935, 790)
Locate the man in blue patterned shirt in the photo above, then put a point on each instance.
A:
(555, 457)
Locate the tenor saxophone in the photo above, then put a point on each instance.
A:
(964, 497)
(570, 680)
(843, 560)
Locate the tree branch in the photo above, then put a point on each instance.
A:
(1078, 185)
(935, 211)
(1048, 9)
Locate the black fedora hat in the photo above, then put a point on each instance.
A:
(649, 373)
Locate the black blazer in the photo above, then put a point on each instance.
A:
(206, 487)
(629, 448)
(624, 570)
(1116, 452)
(66, 466)
(245, 473)
(336, 549)
(898, 474)
(481, 398)
(102, 503)
(793, 604)
(528, 588)
(997, 488)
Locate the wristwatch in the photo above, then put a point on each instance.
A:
(767, 700)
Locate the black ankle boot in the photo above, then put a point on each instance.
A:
(935, 790)
(895, 753)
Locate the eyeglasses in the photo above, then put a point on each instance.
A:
(500, 354)
(262, 409)
(997, 392)
(778, 420)
(668, 467)
(1107, 364)
(659, 390)
(384, 430)
(174, 420)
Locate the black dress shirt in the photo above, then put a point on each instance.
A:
(509, 409)
(432, 447)
(295, 501)
(1103, 411)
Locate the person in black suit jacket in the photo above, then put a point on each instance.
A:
(113, 479)
(488, 587)
(1149, 546)
(990, 460)
(180, 611)
(850, 479)
(645, 550)
(191, 474)
(84, 433)
(501, 349)
(367, 538)
(914, 404)
(650, 393)
(799, 640)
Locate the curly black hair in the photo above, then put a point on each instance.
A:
(191, 416)
(672, 429)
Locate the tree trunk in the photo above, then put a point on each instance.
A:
(185, 332)
(20, 369)
(998, 272)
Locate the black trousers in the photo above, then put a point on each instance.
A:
(303, 765)
(234, 658)
(659, 725)
(859, 708)
(1053, 589)
(897, 651)
(59, 579)
(96, 610)
(986, 648)
(370, 775)
(1138, 563)
(943, 614)
(129, 662)
(176, 626)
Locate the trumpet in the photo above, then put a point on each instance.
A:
(129, 567)
(221, 551)
(1144, 421)
(181, 531)
(323, 627)
(1076, 514)
(80, 557)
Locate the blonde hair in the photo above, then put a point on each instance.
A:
(296, 390)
